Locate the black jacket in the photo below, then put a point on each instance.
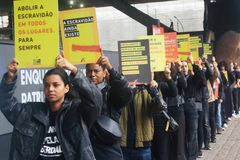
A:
(195, 83)
(181, 83)
(116, 94)
(31, 121)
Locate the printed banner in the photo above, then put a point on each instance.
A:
(36, 33)
(80, 35)
(183, 46)
(157, 52)
(171, 46)
(157, 30)
(195, 46)
(134, 60)
(207, 48)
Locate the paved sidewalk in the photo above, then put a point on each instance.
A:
(228, 144)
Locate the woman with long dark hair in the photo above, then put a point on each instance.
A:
(56, 129)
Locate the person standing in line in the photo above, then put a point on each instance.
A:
(228, 80)
(196, 80)
(116, 94)
(137, 121)
(205, 106)
(54, 129)
(170, 145)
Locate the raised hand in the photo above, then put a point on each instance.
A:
(167, 73)
(103, 60)
(12, 70)
(65, 64)
(190, 60)
(153, 84)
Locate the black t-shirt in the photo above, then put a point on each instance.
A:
(51, 148)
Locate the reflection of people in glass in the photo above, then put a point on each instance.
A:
(55, 129)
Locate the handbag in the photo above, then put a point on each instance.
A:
(107, 130)
(171, 124)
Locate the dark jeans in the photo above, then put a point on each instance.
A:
(236, 100)
(177, 139)
(212, 120)
(191, 117)
(136, 153)
(160, 142)
(200, 130)
(206, 126)
(228, 103)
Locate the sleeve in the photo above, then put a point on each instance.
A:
(231, 78)
(199, 76)
(181, 81)
(91, 98)
(8, 103)
(168, 88)
(156, 99)
(120, 94)
(209, 71)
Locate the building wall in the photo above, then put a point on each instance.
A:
(113, 25)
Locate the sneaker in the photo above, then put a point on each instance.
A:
(234, 115)
(238, 115)
(207, 147)
(219, 130)
(229, 119)
(200, 154)
(225, 125)
(213, 140)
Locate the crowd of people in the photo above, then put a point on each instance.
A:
(76, 120)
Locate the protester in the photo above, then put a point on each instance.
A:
(228, 80)
(116, 94)
(168, 145)
(56, 128)
(196, 80)
(137, 121)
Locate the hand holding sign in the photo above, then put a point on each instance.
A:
(105, 61)
(65, 64)
(167, 73)
(153, 84)
(12, 70)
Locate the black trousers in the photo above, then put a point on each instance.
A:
(177, 139)
(236, 94)
(191, 119)
(160, 142)
(228, 103)
(212, 120)
(206, 125)
(200, 130)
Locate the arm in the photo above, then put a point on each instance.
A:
(120, 93)
(181, 81)
(199, 76)
(209, 71)
(168, 88)
(8, 103)
(91, 98)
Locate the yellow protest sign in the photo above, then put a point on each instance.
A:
(195, 43)
(36, 33)
(183, 46)
(134, 60)
(157, 52)
(80, 35)
(207, 49)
